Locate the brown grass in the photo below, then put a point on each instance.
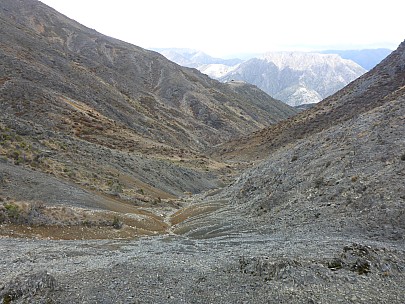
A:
(33, 219)
(193, 211)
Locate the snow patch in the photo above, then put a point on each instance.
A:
(216, 70)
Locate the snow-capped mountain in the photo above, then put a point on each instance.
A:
(297, 77)
(293, 77)
(211, 66)
(216, 70)
(194, 59)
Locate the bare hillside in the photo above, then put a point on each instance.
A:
(111, 117)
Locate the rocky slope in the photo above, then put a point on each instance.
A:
(109, 116)
(347, 180)
(338, 167)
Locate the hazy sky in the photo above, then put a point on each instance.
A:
(228, 27)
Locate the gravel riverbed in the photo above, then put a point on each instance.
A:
(245, 268)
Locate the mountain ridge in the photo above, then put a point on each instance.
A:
(194, 58)
(109, 116)
(294, 77)
(367, 58)
(360, 96)
(301, 78)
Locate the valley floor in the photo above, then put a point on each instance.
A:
(238, 268)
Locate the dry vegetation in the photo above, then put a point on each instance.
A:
(34, 219)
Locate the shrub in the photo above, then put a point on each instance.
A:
(13, 211)
(319, 182)
(117, 224)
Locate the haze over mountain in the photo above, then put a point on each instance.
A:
(213, 67)
(118, 183)
(367, 58)
(194, 58)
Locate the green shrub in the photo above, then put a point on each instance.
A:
(13, 211)
(117, 224)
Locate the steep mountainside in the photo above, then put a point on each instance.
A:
(109, 116)
(346, 181)
(144, 90)
(297, 78)
(380, 85)
(338, 168)
(322, 218)
(367, 58)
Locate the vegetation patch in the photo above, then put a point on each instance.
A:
(35, 219)
(18, 150)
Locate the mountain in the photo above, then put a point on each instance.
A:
(319, 220)
(213, 67)
(367, 58)
(110, 117)
(99, 139)
(330, 182)
(337, 168)
(369, 91)
(296, 77)
(194, 58)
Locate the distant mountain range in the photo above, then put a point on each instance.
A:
(296, 78)
(193, 58)
(211, 66)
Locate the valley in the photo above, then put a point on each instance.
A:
(126, 178)
(296, 78)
